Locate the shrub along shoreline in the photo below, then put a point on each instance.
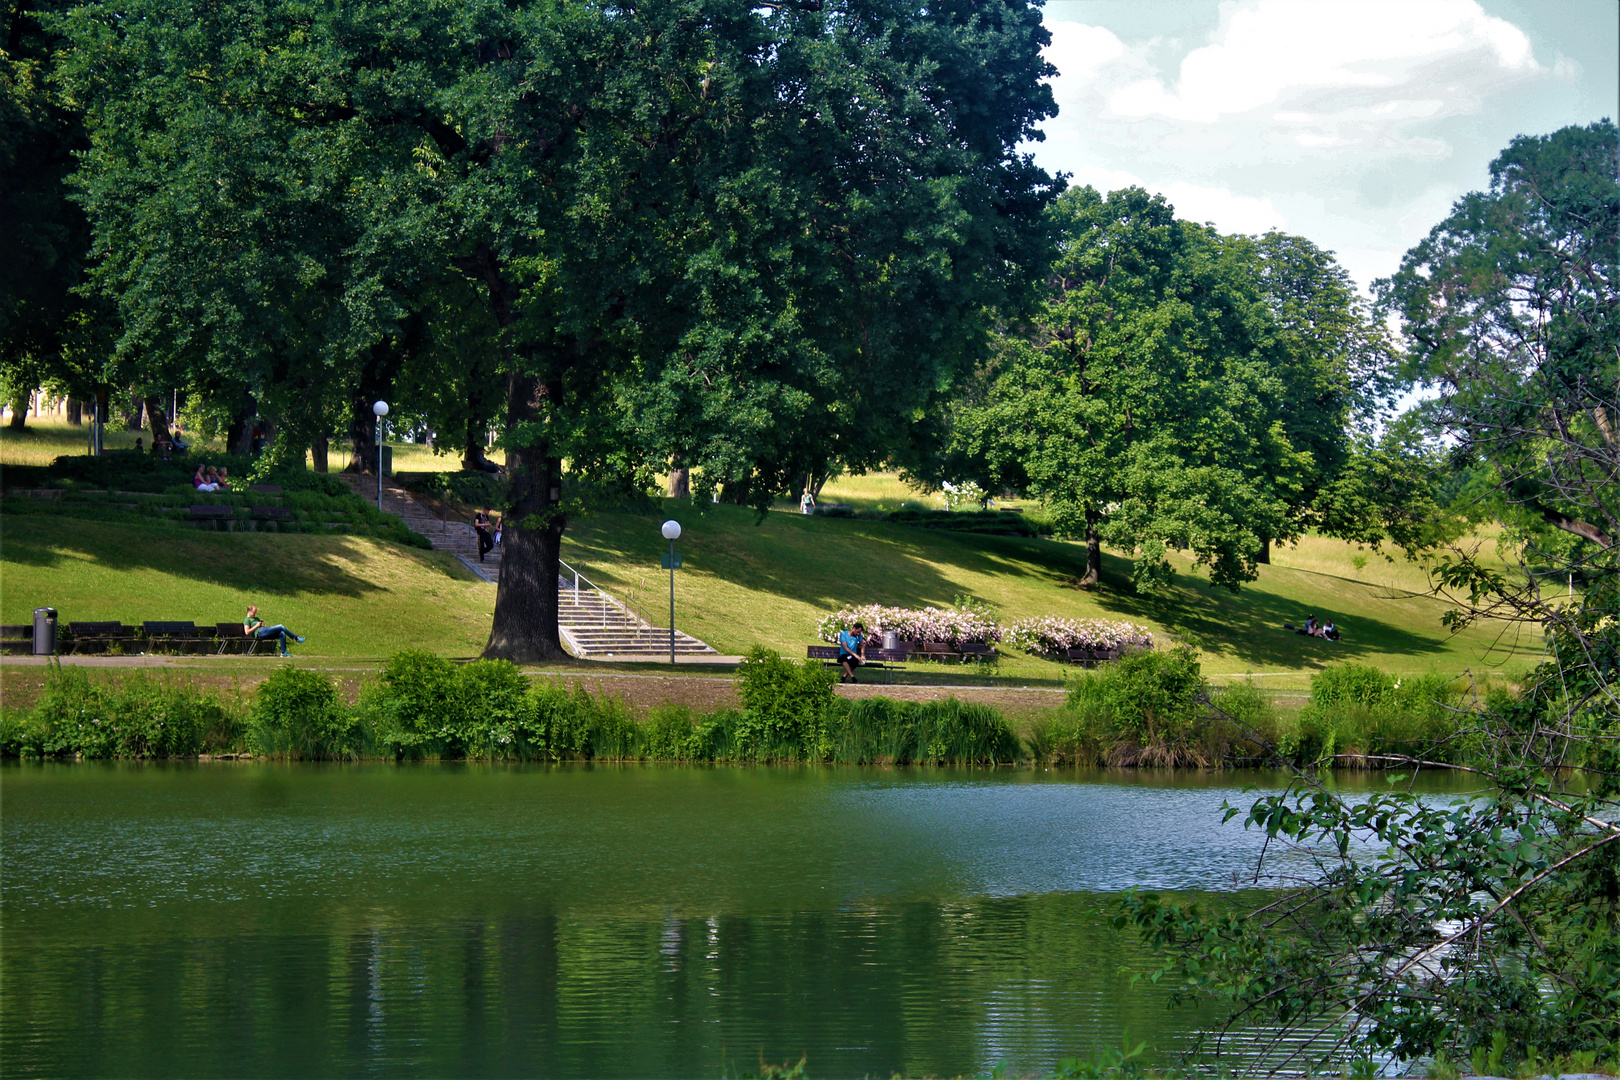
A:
(1148, 709)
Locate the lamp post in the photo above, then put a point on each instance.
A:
(672, 532)
(381, 409)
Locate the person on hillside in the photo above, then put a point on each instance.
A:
(254, 626)
(807, 502)
(177, 439)
(851, 651)
(201, 481)
(497, 532)
(1329, 632)
(485, 543)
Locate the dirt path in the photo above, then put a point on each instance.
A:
(22, 679)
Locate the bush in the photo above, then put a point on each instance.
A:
(1147, 708)
(1358, 712)
(1053, 637)
(299, 714)
(968, 620)
(785, 707)
(140, 717)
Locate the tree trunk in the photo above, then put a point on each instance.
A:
(472, 452)
(524, 629)
(75, 412)
(1264, 558)
(680, 482)
(1093, 575)
(239, 434)
(134, 420)
(318, 449)
(159, 422)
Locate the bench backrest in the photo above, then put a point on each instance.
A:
(213, 511)
(98, 629)
(977, 647)
(16, 630)
(936, 647)
(170, 627)
(229, 629)
(888, 656)
(821, 652)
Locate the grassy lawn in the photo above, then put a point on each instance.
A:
(351, 596)
(49, 437)
(744, 583)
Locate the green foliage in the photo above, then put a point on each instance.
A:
(983, 522)
(1359, 711)
(299, 714)
(139, 717)
(1177, 388)
(785, 706)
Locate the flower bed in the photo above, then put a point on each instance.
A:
(1052, 637)
(953, 625)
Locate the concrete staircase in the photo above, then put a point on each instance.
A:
(595, 624)
(591, 623)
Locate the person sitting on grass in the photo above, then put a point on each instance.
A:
(253, 626)
(851, 651)
(202, 481)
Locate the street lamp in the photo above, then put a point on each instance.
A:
(381, 409)
(672, 532)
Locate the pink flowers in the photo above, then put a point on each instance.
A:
(1051, 636)
(953, 625)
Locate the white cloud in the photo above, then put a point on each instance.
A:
(1333, 62)
(1227, 211)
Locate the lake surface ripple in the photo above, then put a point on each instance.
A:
(310, 920)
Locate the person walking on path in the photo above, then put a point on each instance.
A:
(254, 627)
(485, 543)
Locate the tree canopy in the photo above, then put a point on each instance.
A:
(1178, 388)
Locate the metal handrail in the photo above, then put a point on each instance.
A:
(623, 605)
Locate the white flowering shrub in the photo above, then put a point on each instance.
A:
(964, 494)
(955, 625)
(1052, 636)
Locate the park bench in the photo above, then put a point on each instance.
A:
(183, 636)
(271, 513)
(1091, 657)
(17, 638)
(940, 650)
(884, 660)
(232, 637)
(203, 513)
(108, 634)
(975, 650)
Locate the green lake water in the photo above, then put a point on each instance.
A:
(306, 920)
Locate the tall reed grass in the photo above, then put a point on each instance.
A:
(1147, 709)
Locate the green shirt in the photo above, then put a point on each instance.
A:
(251, 623)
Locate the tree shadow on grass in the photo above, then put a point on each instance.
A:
(272, 564)
(827, 563)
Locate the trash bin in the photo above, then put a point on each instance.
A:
(891, 639)
(44, 631)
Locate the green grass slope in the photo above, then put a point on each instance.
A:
(351, 596)
(744, 583)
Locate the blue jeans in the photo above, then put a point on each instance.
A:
(276, 631)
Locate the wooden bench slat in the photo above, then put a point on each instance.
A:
(214, 511)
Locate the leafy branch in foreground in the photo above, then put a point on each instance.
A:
(1486, 929)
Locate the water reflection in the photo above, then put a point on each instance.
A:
(310, 920)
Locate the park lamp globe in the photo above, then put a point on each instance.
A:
(381, 410)
(671, 530)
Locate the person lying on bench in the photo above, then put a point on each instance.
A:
(851, 651)
(254, 626)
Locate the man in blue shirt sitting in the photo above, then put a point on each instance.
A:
(851, 651)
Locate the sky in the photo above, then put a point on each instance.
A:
(1353, 123)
